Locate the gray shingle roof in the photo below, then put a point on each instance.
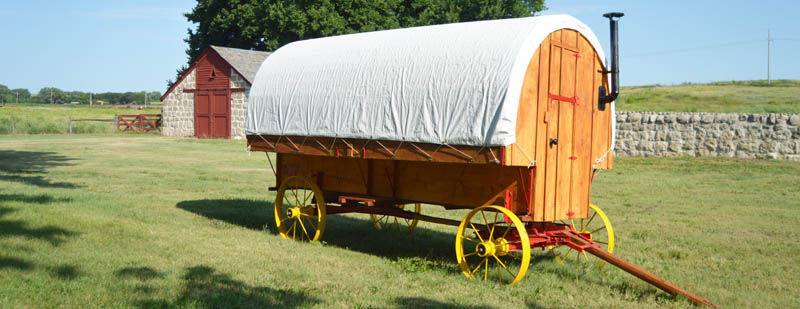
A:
(243, 61)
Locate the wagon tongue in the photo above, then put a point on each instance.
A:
(580, 242)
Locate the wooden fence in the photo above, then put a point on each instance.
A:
(141, 122)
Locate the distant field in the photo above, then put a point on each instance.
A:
(782, 96)
(99, 221)
(50, 119)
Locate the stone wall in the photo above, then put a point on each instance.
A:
(773, 136)
(238, 105)
(178, 110)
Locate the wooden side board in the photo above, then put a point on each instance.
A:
(449, 184)
(372, 149)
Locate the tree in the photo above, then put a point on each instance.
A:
(269, 24)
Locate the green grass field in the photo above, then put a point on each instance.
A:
(782, 96)
(50, 119)
(145, 221)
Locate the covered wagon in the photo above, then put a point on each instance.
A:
(508, 118)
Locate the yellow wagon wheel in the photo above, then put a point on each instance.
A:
(489, 248)
(599, 229)
(391, 223)
(300, 209)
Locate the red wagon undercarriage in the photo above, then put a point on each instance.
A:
(540, 235)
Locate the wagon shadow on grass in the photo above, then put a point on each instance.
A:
(420, 250)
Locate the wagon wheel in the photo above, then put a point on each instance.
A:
(300, 209)
(492, 249)
(391, 223)
(600, 231)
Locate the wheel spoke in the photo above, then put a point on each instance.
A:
(500, 280)
(501, 262)
(476, 231)
(508, 228)
(296, 197)
(304, 228)
(479, 266)
(284, 220)
(470, 254)
(311, 222)
(519, 258)
(506, 268)
(586, 257)
(486, 270)
(590, 219)
(294, 228)
(600, 242)
(592, 232)
(494, 223)
(485, 222)
(306, 196)
(568, 252)
(470, 239)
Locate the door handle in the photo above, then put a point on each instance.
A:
(553, 141)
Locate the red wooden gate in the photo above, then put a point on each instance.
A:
(141, 122)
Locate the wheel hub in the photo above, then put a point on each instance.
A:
(498, 247)
(297, 212)
(485, 249)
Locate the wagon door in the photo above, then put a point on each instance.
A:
(564, 134)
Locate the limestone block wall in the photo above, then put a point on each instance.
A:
(772, 136)
(178, 110)
(238, 105)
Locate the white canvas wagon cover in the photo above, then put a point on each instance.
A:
(456, 83)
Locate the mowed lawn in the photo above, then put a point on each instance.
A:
(148, 221)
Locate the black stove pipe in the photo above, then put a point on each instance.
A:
(604, 99)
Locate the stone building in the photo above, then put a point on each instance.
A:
(210, 98)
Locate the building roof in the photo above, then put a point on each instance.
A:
(246, 62)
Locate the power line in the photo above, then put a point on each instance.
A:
(696, 48)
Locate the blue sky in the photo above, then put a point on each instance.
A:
(137, 45)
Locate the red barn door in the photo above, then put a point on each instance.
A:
(202, 114)
(212, 97)
(212, 114)
(220, 114)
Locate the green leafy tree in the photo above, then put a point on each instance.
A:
(269, 24)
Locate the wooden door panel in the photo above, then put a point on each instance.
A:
(569, 59)
(202, 118)
(220, 115)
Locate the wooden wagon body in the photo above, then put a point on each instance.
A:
(527, 144)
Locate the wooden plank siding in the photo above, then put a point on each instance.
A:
(558, 100)
(448, 184)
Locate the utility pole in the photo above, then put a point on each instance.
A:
(90, 99)
(51, 95)
(769, 42)
(145, 99)
(17, 96)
